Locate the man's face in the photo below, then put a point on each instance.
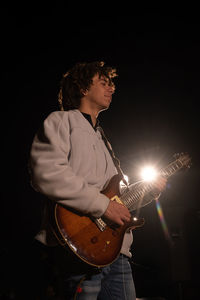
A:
(99, 94)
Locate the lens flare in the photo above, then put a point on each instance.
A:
(163, 222)
(148, 173)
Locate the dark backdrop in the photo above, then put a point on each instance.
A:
(154, 114)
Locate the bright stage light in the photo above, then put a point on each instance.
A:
(148, 173)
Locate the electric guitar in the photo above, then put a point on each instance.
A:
(95, 241)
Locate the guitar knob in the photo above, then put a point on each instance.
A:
(94, 240)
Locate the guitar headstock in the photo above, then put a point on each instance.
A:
(184, 159)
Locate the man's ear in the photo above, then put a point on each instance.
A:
(84, 92)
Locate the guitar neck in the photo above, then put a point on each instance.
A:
(172, 168)
(134, 195)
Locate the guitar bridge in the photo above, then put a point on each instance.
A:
(100, 224)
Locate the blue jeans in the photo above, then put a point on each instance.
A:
(112, 282)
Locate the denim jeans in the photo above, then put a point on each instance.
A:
(112, 282)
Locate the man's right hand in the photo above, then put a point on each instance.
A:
(117, 213)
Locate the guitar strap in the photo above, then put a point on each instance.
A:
(114, 158)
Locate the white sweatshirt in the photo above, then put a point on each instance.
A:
(71, 165)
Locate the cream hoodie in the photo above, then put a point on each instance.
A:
(71, 165)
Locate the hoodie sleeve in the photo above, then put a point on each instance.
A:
(52, 174)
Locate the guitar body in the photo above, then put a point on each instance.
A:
(82, 235)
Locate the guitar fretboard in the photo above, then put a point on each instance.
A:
(133, 196)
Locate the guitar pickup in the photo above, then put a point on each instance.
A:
(100, 224)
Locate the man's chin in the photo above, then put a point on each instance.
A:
(104, 108)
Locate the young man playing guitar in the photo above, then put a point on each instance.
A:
(71, 165)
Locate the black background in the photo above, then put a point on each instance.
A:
(154, 114)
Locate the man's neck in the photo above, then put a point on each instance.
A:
(92, 114)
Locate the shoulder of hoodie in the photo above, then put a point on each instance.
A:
(64, 116)
(72, 119)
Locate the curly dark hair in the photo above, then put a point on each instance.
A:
(78, 79)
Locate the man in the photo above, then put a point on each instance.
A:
(71, 164)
